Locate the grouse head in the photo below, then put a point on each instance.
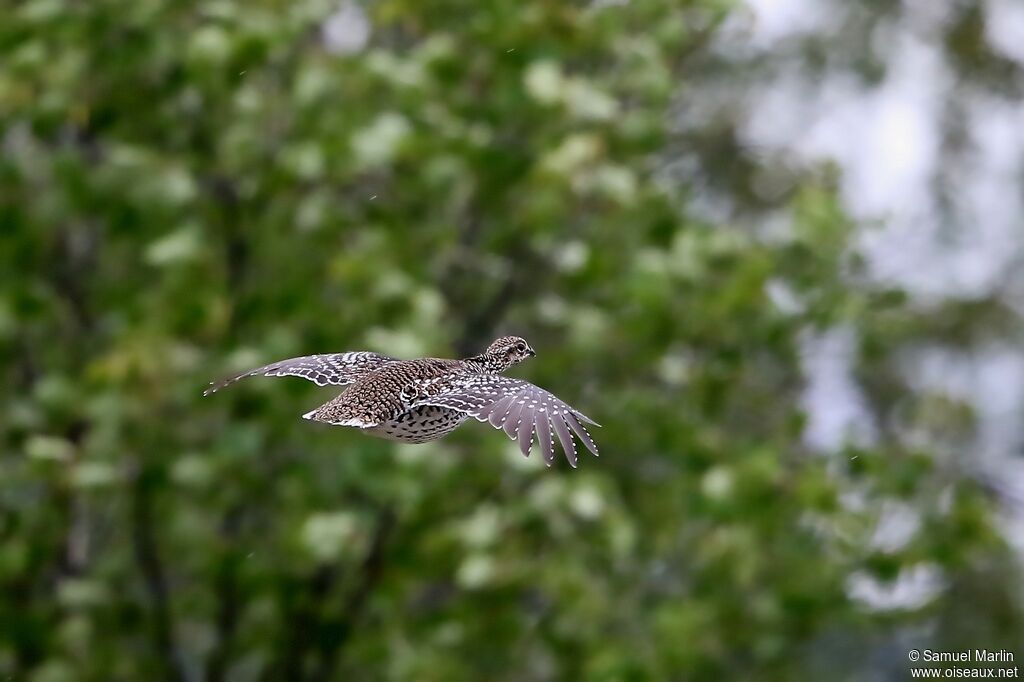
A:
(506, 351)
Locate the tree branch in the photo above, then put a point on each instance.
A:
(150, 566)
(228, 601)
(338, 631)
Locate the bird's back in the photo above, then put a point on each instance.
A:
(384, 394)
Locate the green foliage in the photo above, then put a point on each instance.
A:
(189, 190)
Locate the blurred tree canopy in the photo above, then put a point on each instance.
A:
(189, 189)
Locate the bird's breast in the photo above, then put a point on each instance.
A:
(419, 425)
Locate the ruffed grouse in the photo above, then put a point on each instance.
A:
(415, 401)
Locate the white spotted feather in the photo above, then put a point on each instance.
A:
(521, 410)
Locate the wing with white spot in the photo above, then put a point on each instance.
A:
(521, 410)
(330, 369)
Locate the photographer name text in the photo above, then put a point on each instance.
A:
(966, 656)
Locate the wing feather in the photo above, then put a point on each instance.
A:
(581, 432)
(497, 416)
(483, 411)
(547, 444)
(565, 438)
(511, 425)
(519, 408)
(526, 431)
(329, 369)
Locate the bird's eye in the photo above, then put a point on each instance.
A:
(521, 347)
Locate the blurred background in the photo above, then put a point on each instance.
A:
(773, 246)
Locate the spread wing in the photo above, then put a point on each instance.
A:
(330, 369)
(521, 410)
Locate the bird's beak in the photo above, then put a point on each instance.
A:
(531, 352)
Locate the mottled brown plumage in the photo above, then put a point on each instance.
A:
(415, 401)
(388, 392)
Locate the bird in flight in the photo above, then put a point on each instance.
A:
(415, 401)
